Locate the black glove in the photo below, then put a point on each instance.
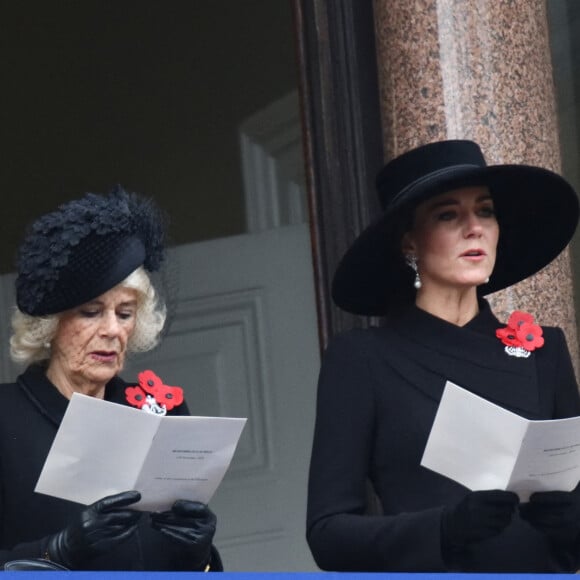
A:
(556, 514)
(95, 531)
(189, 524)
(479, 515)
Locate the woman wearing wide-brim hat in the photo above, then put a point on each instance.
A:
(85, 299)
(453, 230)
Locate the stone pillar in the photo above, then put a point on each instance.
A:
(469, 69)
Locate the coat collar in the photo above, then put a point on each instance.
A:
(428, 351)
(48, 399)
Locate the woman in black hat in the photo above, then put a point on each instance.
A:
(85, 298)
(453, 230)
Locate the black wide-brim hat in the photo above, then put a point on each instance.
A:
(86, 247)
(537, 212)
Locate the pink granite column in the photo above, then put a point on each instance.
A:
(454, 69)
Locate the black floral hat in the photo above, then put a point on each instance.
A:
(537, 211)
(85, 248)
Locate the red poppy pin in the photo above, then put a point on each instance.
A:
(152, 395)
(521, 335)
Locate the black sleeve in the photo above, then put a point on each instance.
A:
(340, 535)
(24, 551)
(33, 549)
(566, 404)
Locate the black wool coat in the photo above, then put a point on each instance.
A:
(378, 393)
(34, 409)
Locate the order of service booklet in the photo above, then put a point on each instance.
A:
(103, 448)
(483, 446)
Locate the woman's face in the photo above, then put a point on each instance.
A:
(454, 239)
(91, 340)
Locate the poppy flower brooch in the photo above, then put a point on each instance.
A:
(152, 396)
(522, 335)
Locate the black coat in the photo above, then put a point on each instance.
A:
(33, 411)
(378, 393)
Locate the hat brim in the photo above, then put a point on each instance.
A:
(537, 212)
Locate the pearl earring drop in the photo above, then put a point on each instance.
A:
(412, 263)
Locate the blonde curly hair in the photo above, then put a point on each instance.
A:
(32, 335)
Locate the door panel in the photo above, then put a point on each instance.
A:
(244, 343)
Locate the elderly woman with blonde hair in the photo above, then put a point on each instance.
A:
(85, 299)
(32, 335)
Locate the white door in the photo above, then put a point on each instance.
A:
(244, 343)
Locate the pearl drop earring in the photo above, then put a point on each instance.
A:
(412, 263)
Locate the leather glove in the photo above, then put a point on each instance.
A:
(96, 529)
(479, 515)
(556, 514)
(190, 524)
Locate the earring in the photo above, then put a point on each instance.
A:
(486, 280)
(47, 345)
(411, 260)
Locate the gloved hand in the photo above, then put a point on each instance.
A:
(556, 514)
(96, 529)
(190, 524)
(479, 515)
